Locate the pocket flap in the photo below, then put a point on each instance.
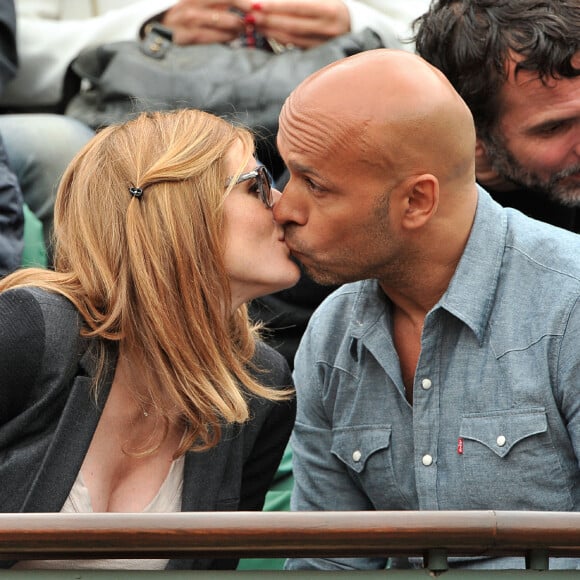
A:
(501, 431)
(354, 445)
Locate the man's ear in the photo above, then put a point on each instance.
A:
(486, 175)
(422, 200)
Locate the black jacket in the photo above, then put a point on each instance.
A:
(536, 205)
(48, 418)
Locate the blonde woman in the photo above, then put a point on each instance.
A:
(131, 379)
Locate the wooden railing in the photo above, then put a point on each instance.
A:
(433, 535)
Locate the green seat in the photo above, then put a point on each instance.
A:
(277, 500)
(34, 253)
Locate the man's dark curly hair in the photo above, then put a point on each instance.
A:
(470, 41)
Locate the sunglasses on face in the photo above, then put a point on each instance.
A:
(262, 186)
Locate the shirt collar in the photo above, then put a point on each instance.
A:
(470, 294)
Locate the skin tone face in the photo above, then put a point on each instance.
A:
(380, 151)
(537, 140)
(336, 215)
(364, 199)
(256, 255)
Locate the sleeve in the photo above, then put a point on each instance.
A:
(569, 379)
(21, 349)
(269, 444)
(321, 481)
(48, 43)
(11, 217)
(390, 19)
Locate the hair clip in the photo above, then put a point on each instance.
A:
(136, 192)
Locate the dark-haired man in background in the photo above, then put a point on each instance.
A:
(516, 63)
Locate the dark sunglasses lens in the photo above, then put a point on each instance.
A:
(265, 187)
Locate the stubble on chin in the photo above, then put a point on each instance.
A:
(566, 194)
(320, 275)
(553, 188)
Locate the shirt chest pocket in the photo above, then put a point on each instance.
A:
(510, 463)
(366, 453)
(500, 433)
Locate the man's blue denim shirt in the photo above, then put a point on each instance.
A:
(495, 420)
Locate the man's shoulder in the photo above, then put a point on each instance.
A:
(350, 308)
(344, 299)
(550, 249)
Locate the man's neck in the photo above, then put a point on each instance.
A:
(420, 294)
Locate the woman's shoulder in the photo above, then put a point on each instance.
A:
(37, 301)
(39, 331)
(35, 317)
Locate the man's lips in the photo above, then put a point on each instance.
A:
(292, 247)
(574, 176)
(298, 255)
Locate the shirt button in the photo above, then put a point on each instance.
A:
(356, 456)
(426, 384)
(500, 440)
(427, 460)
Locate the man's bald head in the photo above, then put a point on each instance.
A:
(400, 112)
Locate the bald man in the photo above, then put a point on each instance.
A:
(444, 373)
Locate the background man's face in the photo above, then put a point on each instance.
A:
(536, 142)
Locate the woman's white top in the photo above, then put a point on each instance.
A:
(168, 499)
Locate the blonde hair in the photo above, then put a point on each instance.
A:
(149, 273)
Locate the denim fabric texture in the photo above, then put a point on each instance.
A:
(495, 420)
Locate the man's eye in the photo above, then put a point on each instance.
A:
(311, 184)
(553, 128)
(550, 129)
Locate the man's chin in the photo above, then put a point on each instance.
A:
(567, 191)
(562, 187)
(564, 190)
(315, 272)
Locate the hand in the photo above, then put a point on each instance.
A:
(302, 23)
(203, 22)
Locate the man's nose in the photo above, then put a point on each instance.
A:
(287, 209)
